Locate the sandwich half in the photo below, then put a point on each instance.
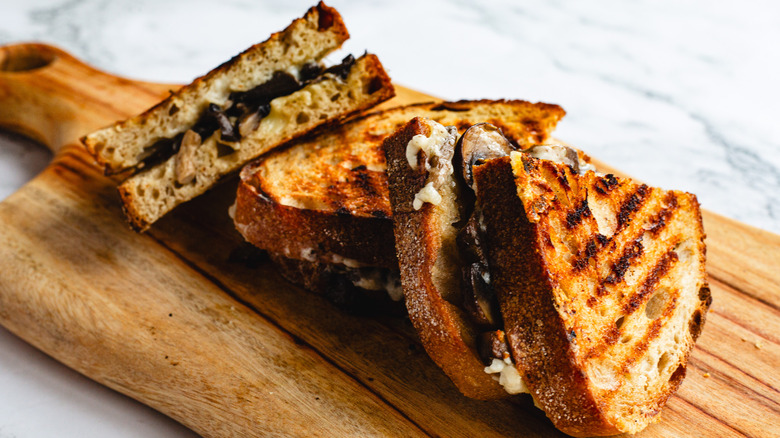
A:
(321, 206)
(264, 97)
(526, 271)
(325, 198)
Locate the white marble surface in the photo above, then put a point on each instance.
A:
(679, 94)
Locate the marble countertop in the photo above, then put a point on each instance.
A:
(681, 95)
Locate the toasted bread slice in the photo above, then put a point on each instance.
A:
(326, 197)
(601, 285)
(424, 197)
(269, 94)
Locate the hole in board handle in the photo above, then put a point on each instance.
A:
(25, 57)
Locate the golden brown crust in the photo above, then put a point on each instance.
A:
(444, 332)
(601, 285)
(310, 234)
(341, 171)
(135, 218)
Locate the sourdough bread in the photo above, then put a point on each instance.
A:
(601, 285)
(270, 94)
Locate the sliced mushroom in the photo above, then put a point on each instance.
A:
(310, 71)
(557, 153)
(227, 133)
(249, 122)
(481, 142)
(478, 297)
(280, 84)
(469, 242)
(341, 70)
(185, 159)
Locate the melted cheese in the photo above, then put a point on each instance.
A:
(507, 376)
(426, 194)
(430, 145)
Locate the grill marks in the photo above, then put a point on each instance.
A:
(356, 189)
(658, 271)
(575, 217)
(659, 221)
(647, 286)
(605, 184)
(592, 249)
(607, 281)
(631, 206)
(612, 332)
(630, 253)
(642, 217)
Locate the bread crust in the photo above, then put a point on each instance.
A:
(310, 234)
(552, 350)
(524, 296)
(443, 329)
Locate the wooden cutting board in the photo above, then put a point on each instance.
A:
(190, 321)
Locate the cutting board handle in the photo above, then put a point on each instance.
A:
(55, 99)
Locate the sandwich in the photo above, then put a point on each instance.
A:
(271, 93)
(525, 271)
(321, 207)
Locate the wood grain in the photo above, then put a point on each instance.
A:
(194, 323)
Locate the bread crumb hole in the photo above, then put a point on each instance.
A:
(140, 191)
(655, 305)
(110, 150)
(620, 321)
(302, 118)
(683, 250)
(335, 97)
(626, 339)
(155, 194)
(664, 361)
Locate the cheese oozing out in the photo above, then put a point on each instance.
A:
(426, 194)
(375, 280)
(437, 153)
(507, 375)
(430, 145)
